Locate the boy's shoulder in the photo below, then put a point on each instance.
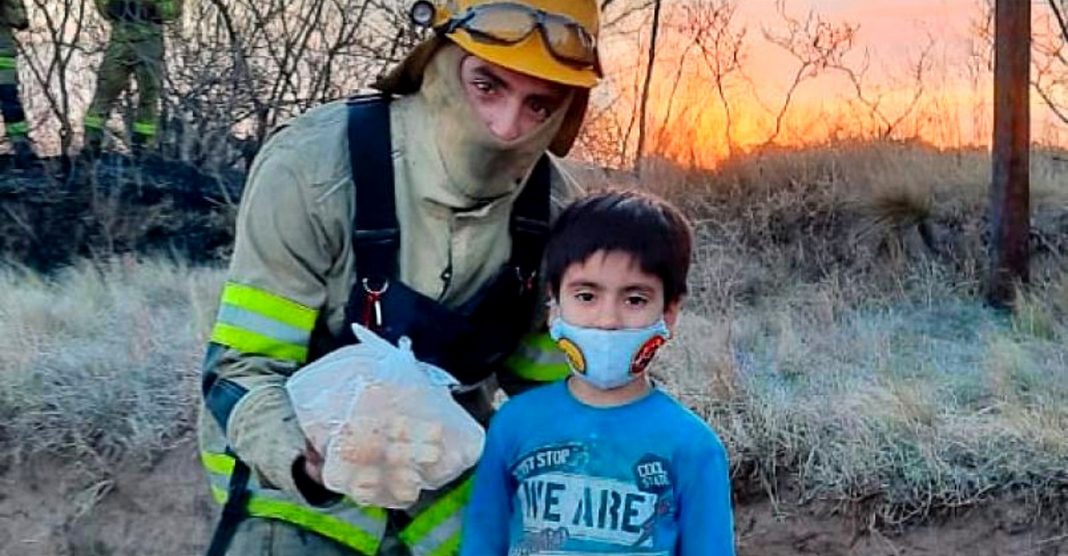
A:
(537, 400)
(685, 423)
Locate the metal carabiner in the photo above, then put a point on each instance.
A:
(374, 303)
(526, 283)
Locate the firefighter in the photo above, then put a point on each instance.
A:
(12, 18)
(135, 48)
(421, 212)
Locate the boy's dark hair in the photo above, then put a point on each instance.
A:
(644, 226)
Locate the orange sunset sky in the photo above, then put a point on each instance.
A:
(953, 111)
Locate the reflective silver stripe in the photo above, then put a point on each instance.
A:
(266, 326)
(219, 481)
(437, 536)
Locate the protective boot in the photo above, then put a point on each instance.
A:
(23, 156)
(94, 140)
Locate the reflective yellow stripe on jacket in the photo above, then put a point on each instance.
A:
(538, 359)
(434, 532)
(145, 128)
(18, 129)
(360, 528)
(255, 321)
(94, 122)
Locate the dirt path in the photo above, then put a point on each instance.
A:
(165, 511)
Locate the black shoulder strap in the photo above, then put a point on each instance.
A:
(234, 511)
(376, 235)
(530, 218)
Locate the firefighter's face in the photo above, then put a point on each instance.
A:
(510, 104)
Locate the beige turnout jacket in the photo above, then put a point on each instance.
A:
(294, 248)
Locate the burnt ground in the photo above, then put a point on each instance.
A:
(54, 213)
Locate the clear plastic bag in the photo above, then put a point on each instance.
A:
(386, 424)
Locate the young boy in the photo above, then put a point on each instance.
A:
(605, 462)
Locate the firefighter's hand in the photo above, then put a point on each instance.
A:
(313, 463)
(308, 476)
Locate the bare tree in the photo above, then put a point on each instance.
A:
(712, 23)
(816, 44)
(235, 68)
(1049, 43)
(54, 53)
(872, 98)
(602, 140)
(680, 67)
(609, 131)
(1050, 77)
(648, 80)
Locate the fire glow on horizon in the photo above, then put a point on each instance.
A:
(947, 103)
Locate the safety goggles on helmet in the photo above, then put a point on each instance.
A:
(510, 23)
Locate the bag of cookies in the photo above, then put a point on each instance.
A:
(386, 424)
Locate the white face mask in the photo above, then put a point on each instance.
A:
(608, 359)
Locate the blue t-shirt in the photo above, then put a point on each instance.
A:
(561, 477)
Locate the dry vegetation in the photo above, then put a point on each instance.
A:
(838, 343)
(100, 360)
(843, 358)
(835, 336)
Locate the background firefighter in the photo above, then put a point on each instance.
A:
(135, 48)
(13, 17)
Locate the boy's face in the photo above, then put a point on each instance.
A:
(610, 291)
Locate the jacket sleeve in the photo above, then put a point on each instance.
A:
(537, 360)
(269, 307)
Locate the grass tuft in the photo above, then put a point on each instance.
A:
(102, 360)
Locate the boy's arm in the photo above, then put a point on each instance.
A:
(488, 513)
(706, 522)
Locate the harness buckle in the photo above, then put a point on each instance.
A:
(526, 283)
(374, 303)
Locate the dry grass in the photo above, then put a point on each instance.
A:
(835, 338)
(838, 340)
(907, 410)
(101, 361)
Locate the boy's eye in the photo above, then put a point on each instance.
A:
(584, 297)
(637, 300)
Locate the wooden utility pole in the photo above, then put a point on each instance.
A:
(1010, 204)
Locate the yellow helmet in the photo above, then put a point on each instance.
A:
(555, 40)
